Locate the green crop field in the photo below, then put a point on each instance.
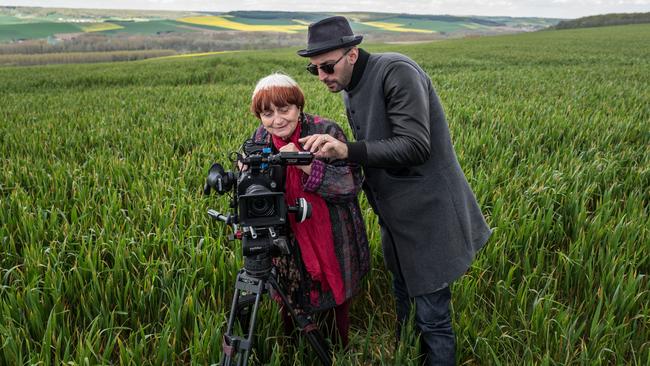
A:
(8, 19)
(435, 25)
(10, 32)
(360, 28)
(510, 21)
(107, 255)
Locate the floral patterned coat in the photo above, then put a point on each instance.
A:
(338, 183)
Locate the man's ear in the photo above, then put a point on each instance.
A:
(353, 55)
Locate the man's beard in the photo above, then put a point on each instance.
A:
(338, 84)
(334, 86)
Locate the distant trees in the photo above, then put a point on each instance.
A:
(208, 41)
(95, 47)
(604, 20)
(180, 42)
(79, 57)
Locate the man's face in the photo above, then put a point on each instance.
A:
(342, 74)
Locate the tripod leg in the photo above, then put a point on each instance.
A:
(234, 345)
(244, 305)
(251, 327)
(306, 326)
(229, 343)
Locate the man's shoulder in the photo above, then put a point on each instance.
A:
(391, 62)
(389, 57)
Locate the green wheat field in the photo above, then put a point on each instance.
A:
(107, 255)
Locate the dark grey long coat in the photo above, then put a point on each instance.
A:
(431, 223)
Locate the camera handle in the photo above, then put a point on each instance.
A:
(302, 209)
(229, 219)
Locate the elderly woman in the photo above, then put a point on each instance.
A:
(329, 252)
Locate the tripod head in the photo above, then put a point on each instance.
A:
(259, 244)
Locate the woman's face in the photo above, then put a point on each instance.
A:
(282, 121)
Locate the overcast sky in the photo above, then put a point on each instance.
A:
(522, 8)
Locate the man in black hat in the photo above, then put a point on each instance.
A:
(431, 225)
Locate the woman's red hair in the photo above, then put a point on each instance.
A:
(278, 90)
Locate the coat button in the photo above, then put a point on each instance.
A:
(352, 111)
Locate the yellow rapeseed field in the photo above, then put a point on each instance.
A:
(219, 21)
(395, 27)
(301, 22)
(100, 27)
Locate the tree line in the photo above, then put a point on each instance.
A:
(179, 42)
(189, 42)
(80, 57)
(604, 20)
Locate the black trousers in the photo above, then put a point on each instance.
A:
(432, 320)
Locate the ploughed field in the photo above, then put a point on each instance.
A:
(107, 254)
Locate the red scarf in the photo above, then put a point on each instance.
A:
(314, 235)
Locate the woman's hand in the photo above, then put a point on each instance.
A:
(241, 166)
(290, 147)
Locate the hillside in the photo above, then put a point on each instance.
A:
(55, 24)
(30, 36)
(604, 20)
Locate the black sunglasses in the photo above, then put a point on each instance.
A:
(327, 68)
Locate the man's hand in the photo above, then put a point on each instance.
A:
(325, 146)
(290, 147)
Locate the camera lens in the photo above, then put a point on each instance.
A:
(259, 203)
(262, 206)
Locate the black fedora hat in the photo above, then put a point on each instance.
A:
(327, 35)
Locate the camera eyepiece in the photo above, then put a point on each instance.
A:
(219, 180)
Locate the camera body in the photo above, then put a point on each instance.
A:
(260, 217)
